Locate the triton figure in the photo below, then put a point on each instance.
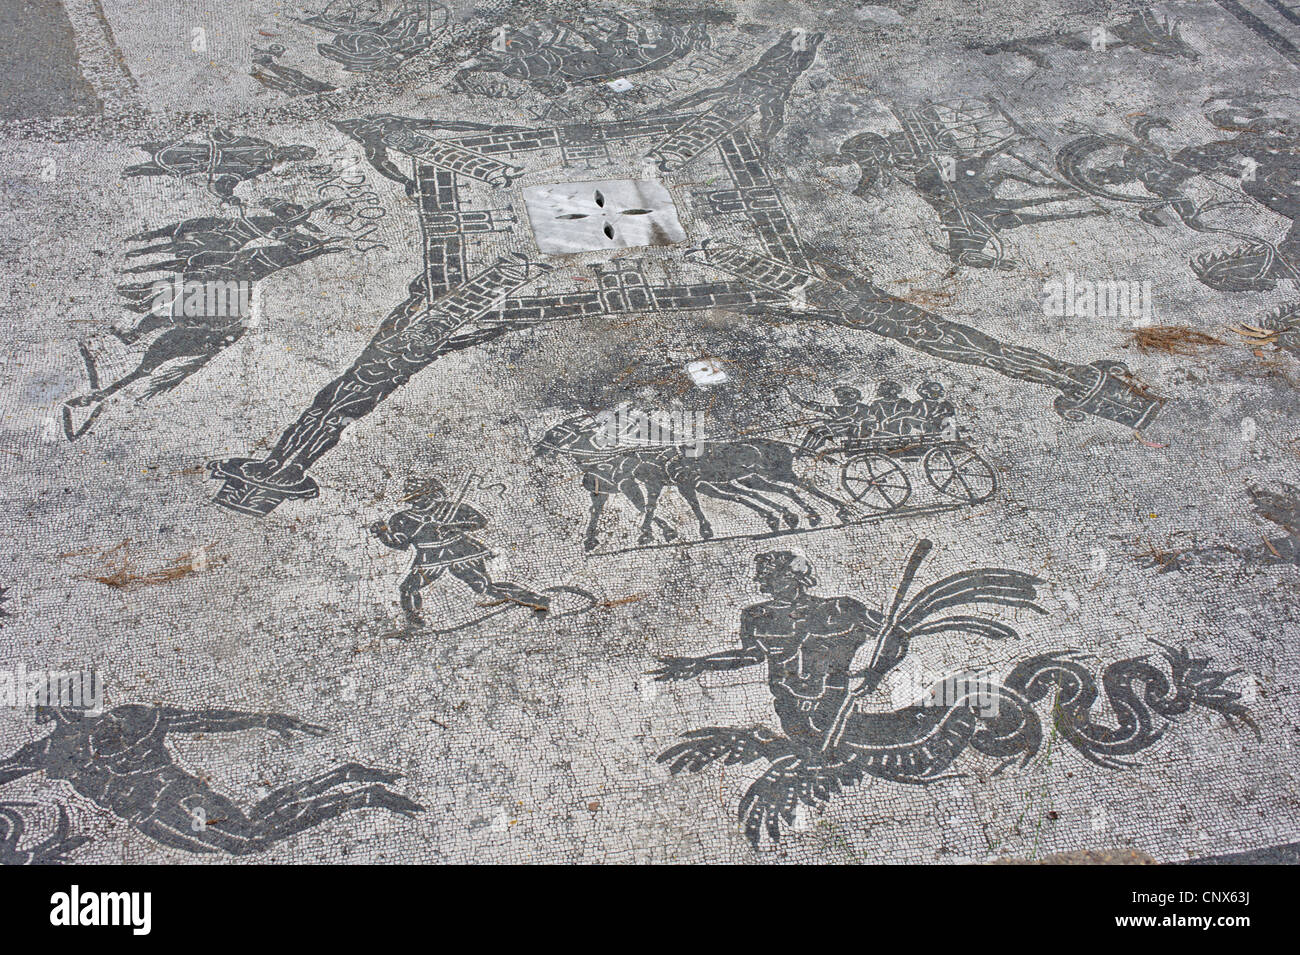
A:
(826, 655)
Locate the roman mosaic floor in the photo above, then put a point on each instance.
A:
(649, 431)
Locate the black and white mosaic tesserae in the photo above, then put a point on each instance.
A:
(642, 432)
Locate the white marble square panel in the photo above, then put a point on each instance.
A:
(570, 217)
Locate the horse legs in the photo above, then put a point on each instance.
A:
(600, 486)
(688, 491)
(598, 499)
(760, 483)
(295, 808)
(652, 492)
(339, 776)
(745, 497)
(789, 477)
(150, 323)
(996, 180)
(165, 232)
(632, 491)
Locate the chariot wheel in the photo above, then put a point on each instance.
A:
(876, 482)
(955, 471)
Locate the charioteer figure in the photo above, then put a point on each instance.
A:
(846, 417)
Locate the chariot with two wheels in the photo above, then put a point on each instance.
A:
(873, 475)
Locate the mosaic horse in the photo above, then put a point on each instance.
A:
(755, 473)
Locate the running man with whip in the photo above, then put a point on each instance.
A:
(438, 529)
